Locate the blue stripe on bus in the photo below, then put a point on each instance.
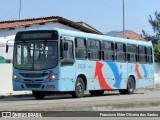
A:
(145, 70)
(116, 73)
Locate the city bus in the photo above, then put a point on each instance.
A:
(72, 62)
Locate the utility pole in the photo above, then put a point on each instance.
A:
(19, 9)
(123, 19)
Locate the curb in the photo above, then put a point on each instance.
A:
(108, 105)
(88, 107)
(104, 105)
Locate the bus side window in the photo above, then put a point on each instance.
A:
(120, 52)
(132, 53)
(146, 57)
(149, 55)
(93, 49)
(142, 54)
(80, 45)
(69, 53)
(107, 51)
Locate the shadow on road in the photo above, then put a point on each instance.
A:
(58, 96)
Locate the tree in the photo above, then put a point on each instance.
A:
(156, 29)
(155, 23)
(157, 51)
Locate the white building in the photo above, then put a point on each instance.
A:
(8, 30)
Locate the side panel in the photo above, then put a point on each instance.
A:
(143, 74)
(117, 74)
(151, 71)
(87, 68)
(67, 81)
(112, 75)
(103, 75)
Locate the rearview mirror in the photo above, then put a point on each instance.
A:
(7, 48)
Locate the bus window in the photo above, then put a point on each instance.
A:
(69, 54)
(149, 55)
(142, 54)
(121, 52)
(108, 51)
(132, 53)
(93, 49)
(80, 48)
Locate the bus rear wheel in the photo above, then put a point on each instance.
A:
(79, 88)
(39, 94)
(130, 87)
(96, 92)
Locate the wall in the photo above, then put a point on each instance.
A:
(157, 73)
(6, 81)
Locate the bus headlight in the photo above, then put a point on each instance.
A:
(51, 78)
(16, 78)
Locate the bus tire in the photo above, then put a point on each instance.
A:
(39, 94)
(96, 92)
(130, 87)
(79, 88)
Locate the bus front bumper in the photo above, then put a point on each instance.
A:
(41, 86)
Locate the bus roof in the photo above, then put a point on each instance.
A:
(96, 37)
(104, 37)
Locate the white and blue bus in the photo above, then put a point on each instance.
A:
(66, 61)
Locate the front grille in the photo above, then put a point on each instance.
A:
(35, 75)
(33, 85)
(37, 80)
(26, 80)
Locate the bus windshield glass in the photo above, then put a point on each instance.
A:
(35, 55)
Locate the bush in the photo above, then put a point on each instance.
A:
(157, 51)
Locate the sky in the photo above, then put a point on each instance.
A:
(104, 15)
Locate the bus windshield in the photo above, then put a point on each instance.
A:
(36, 55)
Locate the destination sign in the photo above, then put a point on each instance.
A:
(38, 36)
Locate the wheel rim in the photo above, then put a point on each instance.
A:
(131, 86)
(80, 88)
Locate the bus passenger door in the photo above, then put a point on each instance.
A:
(67, 64)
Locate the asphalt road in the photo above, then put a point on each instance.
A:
(110, 101)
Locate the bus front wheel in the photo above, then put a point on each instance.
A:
(39, 94)
(79, 88)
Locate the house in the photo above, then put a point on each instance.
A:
(8, 30)
(127, 34)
